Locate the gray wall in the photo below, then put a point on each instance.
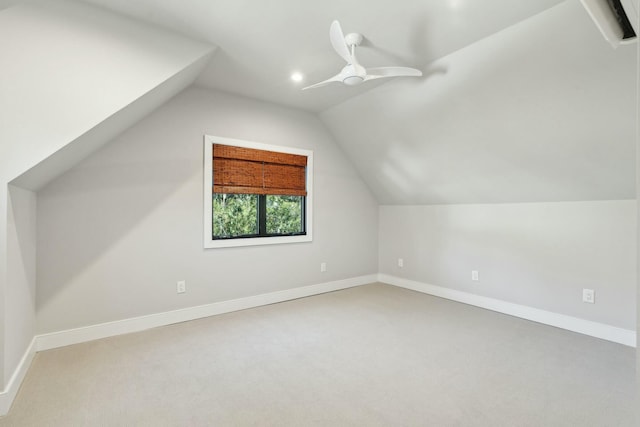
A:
(21, 276)
(543, 111)
(536, 254)
(4, 208)
(57, 105)
(638, 232)
(116, 232)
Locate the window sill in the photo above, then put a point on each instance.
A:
(255, 241)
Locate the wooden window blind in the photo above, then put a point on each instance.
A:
(238, 170)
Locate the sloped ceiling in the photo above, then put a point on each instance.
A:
(521, 101)
(262, 42)
(74, 76)
(542, 111)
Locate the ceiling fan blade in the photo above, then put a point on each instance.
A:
(337, 41)
(336, 78)
(381, 72)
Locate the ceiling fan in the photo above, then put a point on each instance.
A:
(353, 73)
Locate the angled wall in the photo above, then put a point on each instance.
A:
(73, 77)
(67, 67)
(542, 111)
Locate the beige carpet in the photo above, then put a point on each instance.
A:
(369, 356)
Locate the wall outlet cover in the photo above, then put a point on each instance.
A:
(589, 296)
(181, 287)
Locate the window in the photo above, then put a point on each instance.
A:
(256, 193)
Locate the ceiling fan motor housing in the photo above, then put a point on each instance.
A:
(352, 80)
(353, 39)
(353, 74)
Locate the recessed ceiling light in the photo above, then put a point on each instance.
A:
(297, 76)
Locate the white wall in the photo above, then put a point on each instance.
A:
(637, 158)
(58, 88)
(68, 66)
(535, 254)
(542, 111)
(20, 311)
(116, 232)
(3, 273)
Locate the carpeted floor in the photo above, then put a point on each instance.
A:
(375, 355)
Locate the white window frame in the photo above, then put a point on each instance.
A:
(209, 241)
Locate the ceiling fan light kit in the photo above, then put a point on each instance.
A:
(353, 73)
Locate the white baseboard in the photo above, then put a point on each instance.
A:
(109, 329)
(9, 394)
(119, 327)
(586, 327)
(136, 324)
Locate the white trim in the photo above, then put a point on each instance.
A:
(582, 326)
(9, 394)
(209, 243)
(136, 324)
(119, 327)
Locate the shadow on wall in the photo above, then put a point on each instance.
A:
(110, 198)
(537, 112)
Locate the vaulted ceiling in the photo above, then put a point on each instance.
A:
(542, 111)
(261, 43)
(73, 77)
(521, 101)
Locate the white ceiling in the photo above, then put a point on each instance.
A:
(261, 42)
(522, 100)
(542, 111)
(74, 76)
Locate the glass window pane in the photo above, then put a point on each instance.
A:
(284, 214)
(235, 215)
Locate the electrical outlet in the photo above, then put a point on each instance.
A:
(400, 262)
(589, 296)
(323, 267)
(474, 275)
(181, 287)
